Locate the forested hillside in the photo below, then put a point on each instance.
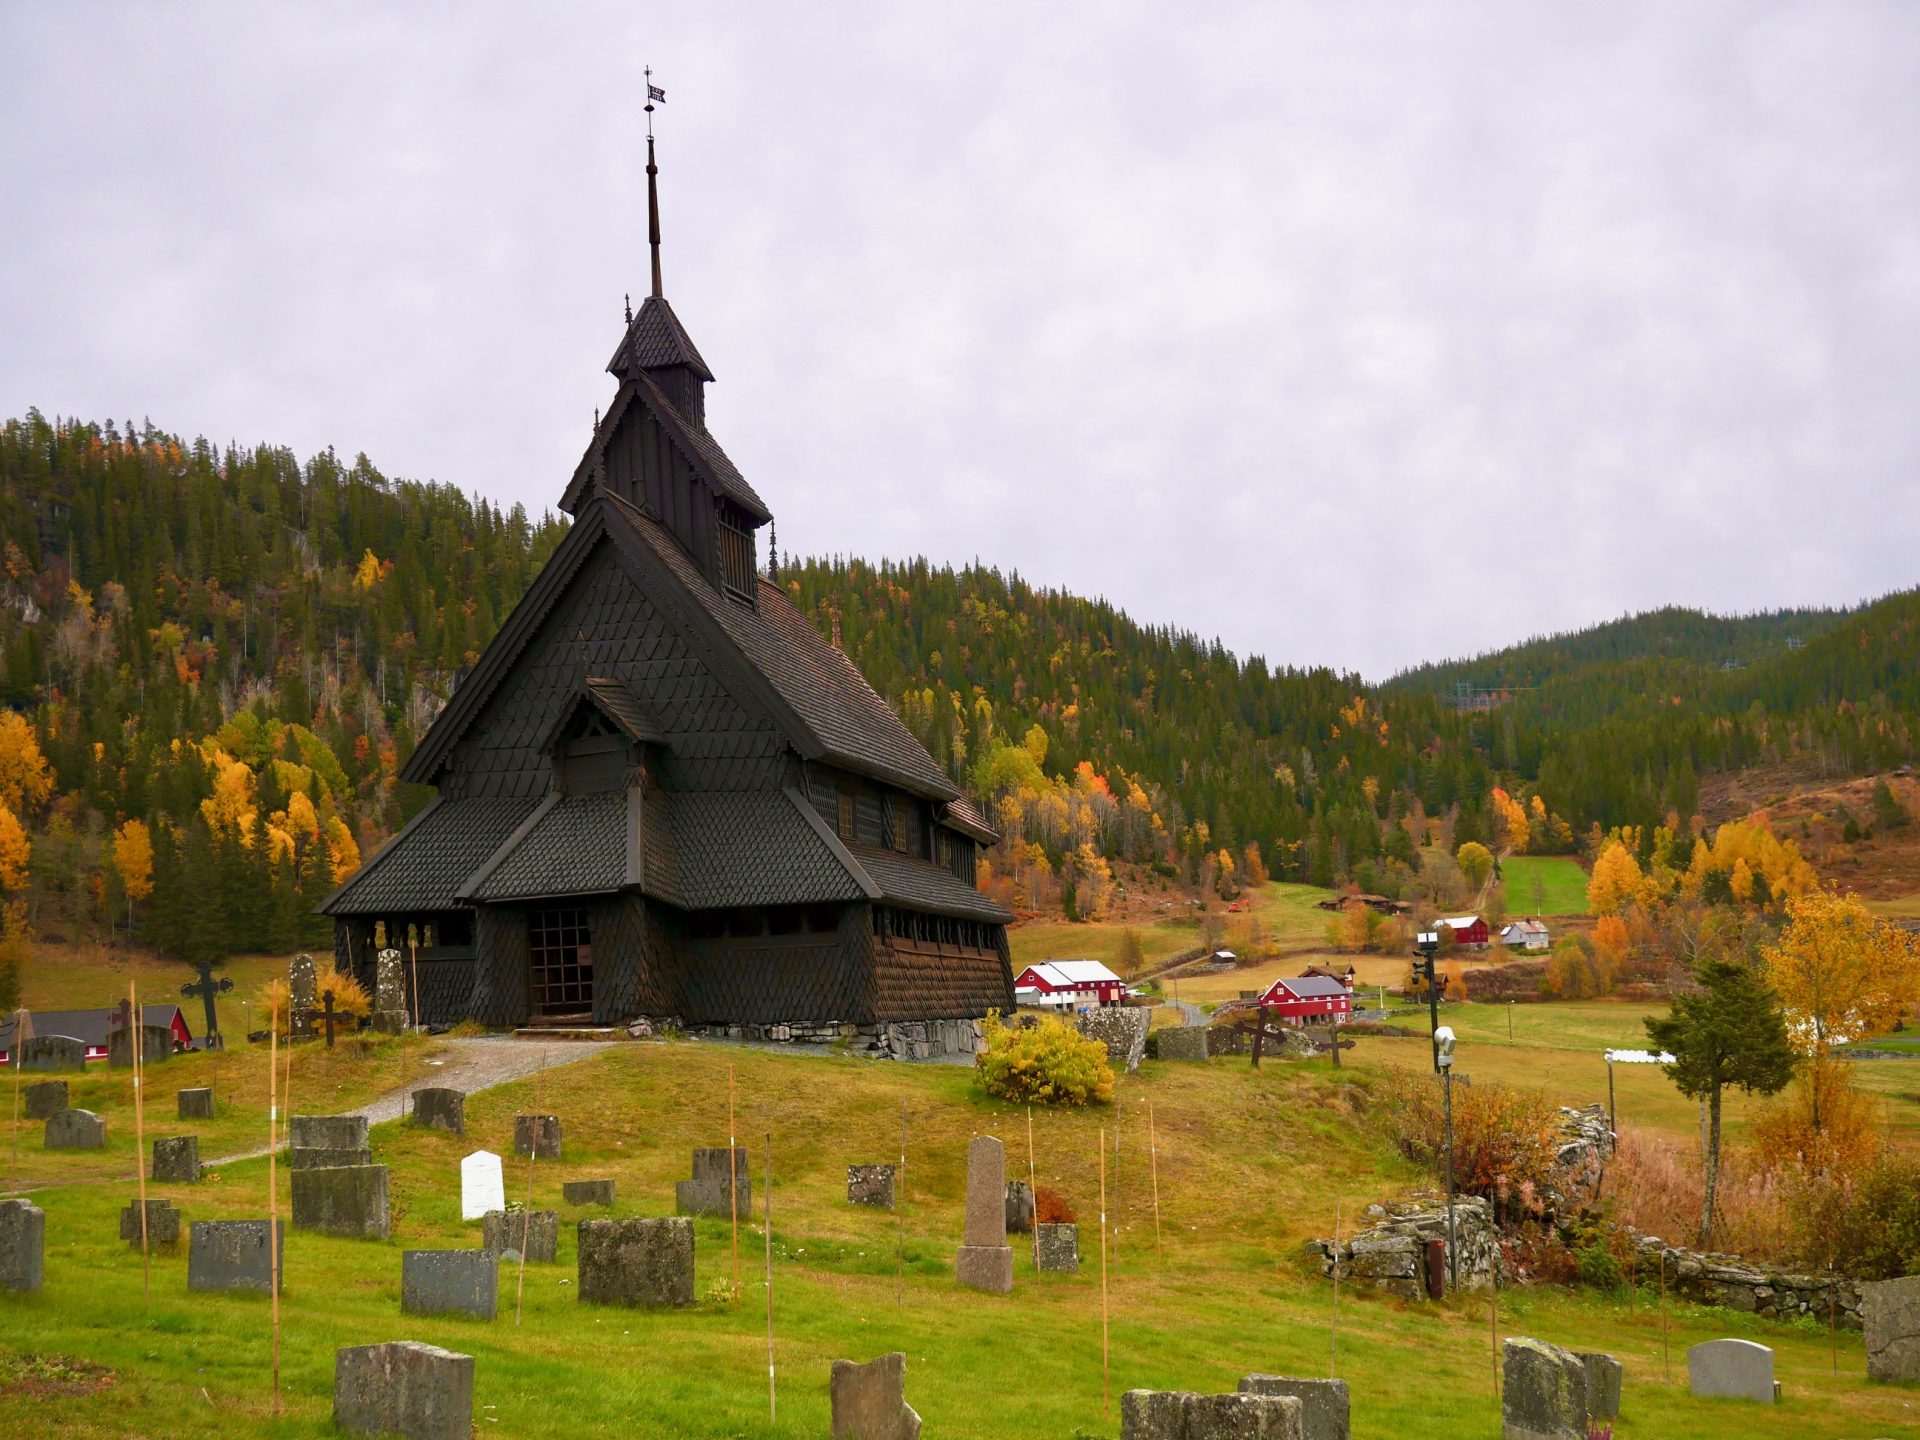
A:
(213, 661)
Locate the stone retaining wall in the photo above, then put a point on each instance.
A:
(1765, 1290)
(1389, 1255)
(899, 1040)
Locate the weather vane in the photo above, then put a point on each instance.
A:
(654, 92)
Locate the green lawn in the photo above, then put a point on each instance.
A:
(1562, 885)
(1247, 1166)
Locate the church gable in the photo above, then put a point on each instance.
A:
(606, 630)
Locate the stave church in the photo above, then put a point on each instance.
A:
(662, 792)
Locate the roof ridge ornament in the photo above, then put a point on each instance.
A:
(654, 93)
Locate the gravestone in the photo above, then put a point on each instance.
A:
(23, 1245)
(441, 1109)
(870, 1401)
(501, 1232)
(53, 1052)
(1891, 1312)
(482, 1185)
(302, 985)
(1181, 1415)
(403, 1388)
(450, 1282)
(389, 993)
(1731, 1369)
(232, 1255)
(196, 1104)
(163, 1224)
(706, 1192)
(156, 1046)
(1182, 1042)
(1122, 1029)
(207, 987)
(1543, 1392)
(1019, 1208)
(344, 1200)
(1057, 1247)
(45, 1099)
(328, 1142)
(1326, 1412)
(537, 1135)
(1604, 1374)
(587, 1192)
(870, 1185)
(76, 1130)
(646, 1263)
(985, 1260)
(176, 1159)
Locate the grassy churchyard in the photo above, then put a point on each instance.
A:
(1249, 1166)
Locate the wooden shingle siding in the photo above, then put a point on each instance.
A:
(621, 959)
(939, 982)
(499, 994)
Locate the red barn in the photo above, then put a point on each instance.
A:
(1470, 930)
(1309, 1000)
(92, 1026)
(1058, 982)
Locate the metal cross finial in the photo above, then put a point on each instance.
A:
(629, 299)
(654, 92)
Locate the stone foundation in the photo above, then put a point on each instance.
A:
(899, 1040)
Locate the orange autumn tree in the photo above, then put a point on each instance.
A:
(1617, 881)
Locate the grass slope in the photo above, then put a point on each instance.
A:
(1284, 912)
(1248, 1165)
(1563, 885)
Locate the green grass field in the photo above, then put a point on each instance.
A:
(1562, 885)
(1247, 1166)
(1284, 912)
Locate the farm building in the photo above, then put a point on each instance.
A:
(1069, 983)
(1468, 930)
(91, 1027)
(663, 792)
(1308, 1000)
(1526, 935)
(1344, 974)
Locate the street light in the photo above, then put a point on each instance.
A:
(1443, 1041)
(1427, 942)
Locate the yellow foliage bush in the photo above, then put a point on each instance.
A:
(1049, 1062)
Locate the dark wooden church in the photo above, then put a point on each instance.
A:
(662, 792)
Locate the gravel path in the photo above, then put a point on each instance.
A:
(472, 1065)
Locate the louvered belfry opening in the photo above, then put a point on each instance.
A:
(562, 958)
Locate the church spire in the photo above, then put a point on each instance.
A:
(653, 182)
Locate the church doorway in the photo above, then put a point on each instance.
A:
(561, 985)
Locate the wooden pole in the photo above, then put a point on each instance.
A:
(526, 1214)
(413, 946)
(1033, 1193)
(1106, 1388)
(1493, 1325)
(19, 1059)
(1116, 1183)
(1333, 1336)
(140, 1139)
(1153, 1158)
(273, 1210)
(900, 1214)
(1666, 1356)
(733, 1185)
(773, 1403)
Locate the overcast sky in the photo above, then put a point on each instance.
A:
(1353, 334)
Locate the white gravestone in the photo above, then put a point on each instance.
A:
(482, 1186)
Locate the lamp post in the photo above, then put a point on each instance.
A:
(1443, 1058)
(1427, 942)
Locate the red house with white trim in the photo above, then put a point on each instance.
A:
(1069, 982)
(1467, 929)
(1308, 1000)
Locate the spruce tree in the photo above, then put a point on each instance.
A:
(1731, 1031)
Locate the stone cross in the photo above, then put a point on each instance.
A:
(327, 1015)
(301, 981)
(206, 987)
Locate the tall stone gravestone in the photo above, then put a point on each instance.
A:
(23, 1245)
(985, 1260)
(76, 1130)
(46, 1099)
(706, 1193)
(482, 1185)
(196, 1104)
(403, 1388)
(319, 1142)
(644, 1263)
(176, 1158)
(302, 984)
(1325, 1408)
(389, 993)
(1731, 1369)
(345, 1200)
(53, 1052)
(1891, 1312)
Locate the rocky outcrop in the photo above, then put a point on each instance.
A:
(1390, 1254)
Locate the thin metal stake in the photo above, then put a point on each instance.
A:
(1153, 1158)
(1666, 1355)
(273, 1207)
(526, 1215)
(900, 1214)
(773, 1403)
(1333, 1336)
(140, 1139)
(18, 1057)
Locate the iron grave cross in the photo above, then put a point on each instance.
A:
(206, 988)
